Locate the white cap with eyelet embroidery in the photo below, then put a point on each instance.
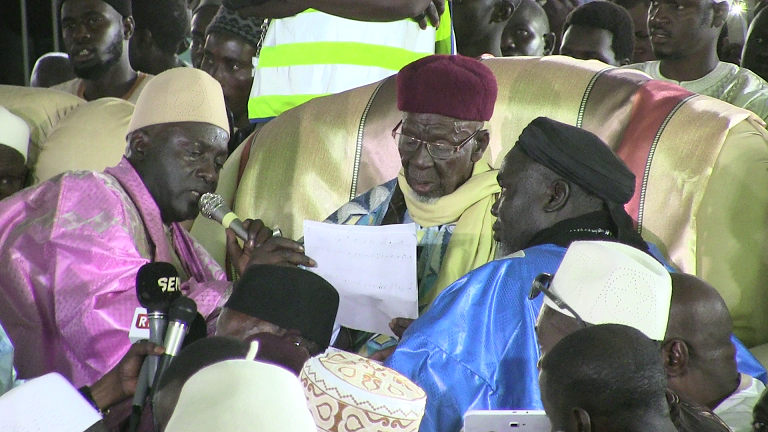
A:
(180, 95)
(612, 283)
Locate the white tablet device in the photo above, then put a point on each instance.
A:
(506, 421)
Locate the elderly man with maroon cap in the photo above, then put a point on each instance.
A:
(445, 186)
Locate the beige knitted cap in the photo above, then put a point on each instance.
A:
(180, 95)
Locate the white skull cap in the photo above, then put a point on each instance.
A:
(242, 396)
(612, 283)
(14, 132)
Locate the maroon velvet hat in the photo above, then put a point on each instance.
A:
(453, 86)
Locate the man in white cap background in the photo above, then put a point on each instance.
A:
(605, 378)
(602, 283)
(96, 36)
(14, 146)
(684, 36)
(609, 283)
(79, 240)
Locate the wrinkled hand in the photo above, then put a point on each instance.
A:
(263, 248)
(120, 382)
(431, 15)
(257, 235)
(400, 325)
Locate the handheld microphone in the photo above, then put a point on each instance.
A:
(157, 286)
(181, 314)
(213, 207)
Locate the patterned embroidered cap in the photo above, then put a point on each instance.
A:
(349, 393)
(232, 23)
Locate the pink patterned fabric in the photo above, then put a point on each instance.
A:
(70, 249)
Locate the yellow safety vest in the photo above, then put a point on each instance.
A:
(314, 54)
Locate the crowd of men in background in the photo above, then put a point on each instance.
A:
(535, 290)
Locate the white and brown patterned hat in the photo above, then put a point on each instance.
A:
(349, 393)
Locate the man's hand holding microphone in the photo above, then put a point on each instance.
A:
(260, 244)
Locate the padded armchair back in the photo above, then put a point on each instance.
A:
(91, 137)
(68, 133)
(701, 164)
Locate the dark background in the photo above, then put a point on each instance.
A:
(40, 37)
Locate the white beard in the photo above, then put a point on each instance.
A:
(502, 250)
(422, 199)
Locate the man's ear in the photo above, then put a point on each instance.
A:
(481, 139)
(559, 191)
(549, 43)
(719, 13)
(675, 357)
(502, 11)
(580, 420)
(138, 146)
(129, 26)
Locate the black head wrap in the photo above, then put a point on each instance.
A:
(123, 7)
(288, 297)
(579, 156)
(231, 23)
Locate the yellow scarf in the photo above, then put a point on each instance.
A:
(471, 244)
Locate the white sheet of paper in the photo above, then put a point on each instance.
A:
(373, 268)
(45, 404)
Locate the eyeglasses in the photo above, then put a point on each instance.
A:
(438, 151)
(541, 285)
